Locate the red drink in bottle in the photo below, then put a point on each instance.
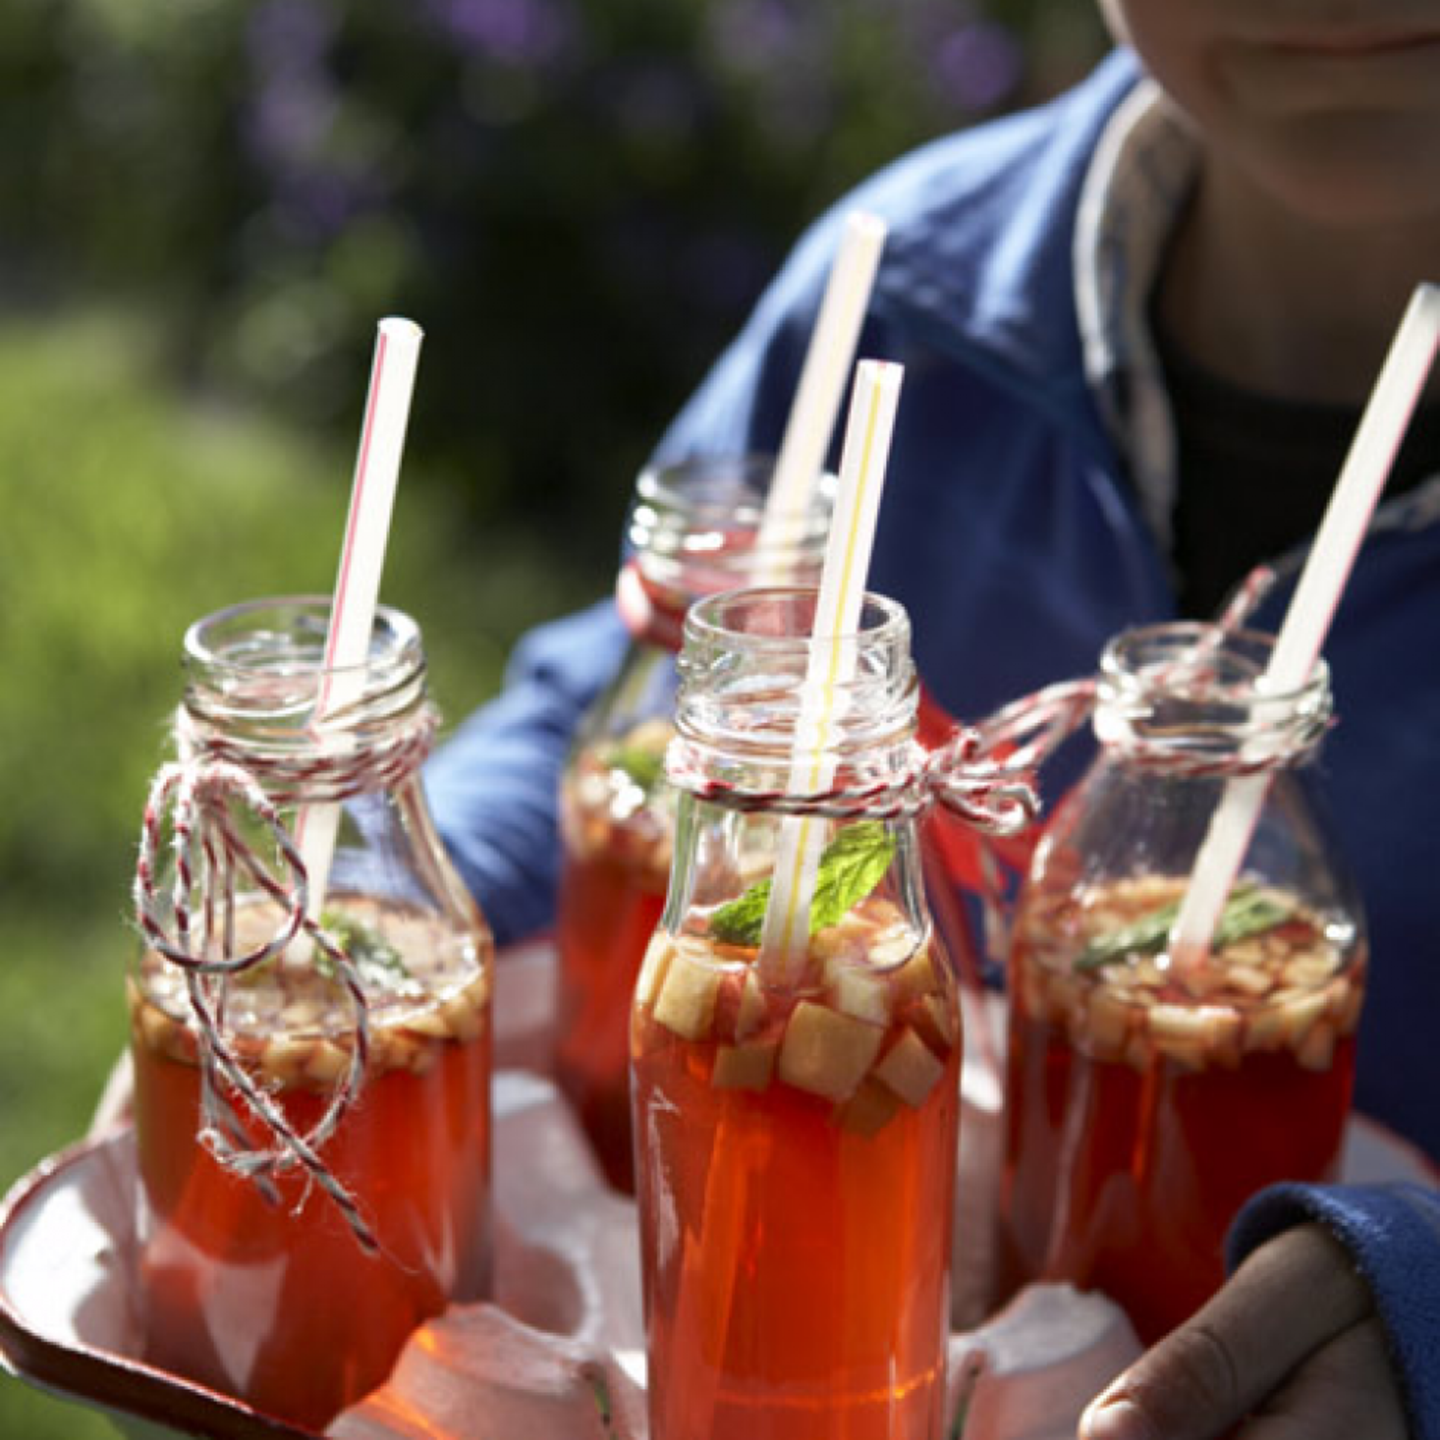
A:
(1145, 1107)
(799, 1154)
(262, 1291)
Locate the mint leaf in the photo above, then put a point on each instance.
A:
(851, 866)
(377, 960)
(740, 922)
(643, 766)
(1247, 912)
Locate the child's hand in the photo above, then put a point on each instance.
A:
(1289, 1349)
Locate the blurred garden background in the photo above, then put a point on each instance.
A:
(205, 206)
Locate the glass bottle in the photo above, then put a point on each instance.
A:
(796, 1125)
(695, 528)
(293, 1286)
(1147, 1097)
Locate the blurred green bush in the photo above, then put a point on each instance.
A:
(578, 199)
(129, 511)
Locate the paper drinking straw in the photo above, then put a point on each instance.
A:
(785, 938)
(362, 558)
(822, 386)
(1312, 607)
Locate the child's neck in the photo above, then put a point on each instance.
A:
(1282, 305)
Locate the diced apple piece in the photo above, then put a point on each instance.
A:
(1306, 971)
(1300, 1013)
(890, 946)
(462, 1017)
(1317, 1050)
(1347, 995)
(159, 1031)
(910, 1069)
(430, 1022)
(1180, 1022)
(1107, 1023)
(325, 1063)
(753, 1008)
(835, 942)
(826, 1053)
(915, 977)
(870, 1109)
(744, 1067)
(860, 994)
(283, 1061)
(1191, 1035)
(652, 969)
(686, 1003)
(1248, 980)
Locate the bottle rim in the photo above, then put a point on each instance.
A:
(262, 661)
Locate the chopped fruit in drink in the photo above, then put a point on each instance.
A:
(686, 1004)
(1108, 1022)
(282, 1061)
(1299, 1013)
(916, 976)
(1317, 1050)
(652, 968)
(826, 1053)
(325, 1063)
(891, 946)
(861, 995)
(910, 1068)
(462, 1015)
(753, 1008)
(745, 1067)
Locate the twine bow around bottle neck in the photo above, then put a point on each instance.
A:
(1032, 728)
(188, 918)
(992, 794)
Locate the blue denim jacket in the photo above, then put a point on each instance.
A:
(1014, 534)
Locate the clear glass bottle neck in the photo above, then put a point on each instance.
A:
(1195, 695)
(257, 689)
(748, 702)
(699, 526)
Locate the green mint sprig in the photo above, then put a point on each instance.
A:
(377, 960)
(1247, 912)
(643, 765)
(851, 866)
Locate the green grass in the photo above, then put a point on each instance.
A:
(128, 511)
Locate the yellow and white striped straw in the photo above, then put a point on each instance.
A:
(873, 404)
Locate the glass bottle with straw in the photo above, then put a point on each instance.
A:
(696, 527)
(1189, 954)
(796, 1039)
(310, 1020)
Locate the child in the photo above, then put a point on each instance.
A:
(1138, 327)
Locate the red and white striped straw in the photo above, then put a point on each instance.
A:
(1312, 607)
(362, 559)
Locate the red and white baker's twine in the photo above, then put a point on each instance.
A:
(995, 796)
(208, 854)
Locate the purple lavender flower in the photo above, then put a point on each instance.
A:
(522, 33)
(976, 66)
